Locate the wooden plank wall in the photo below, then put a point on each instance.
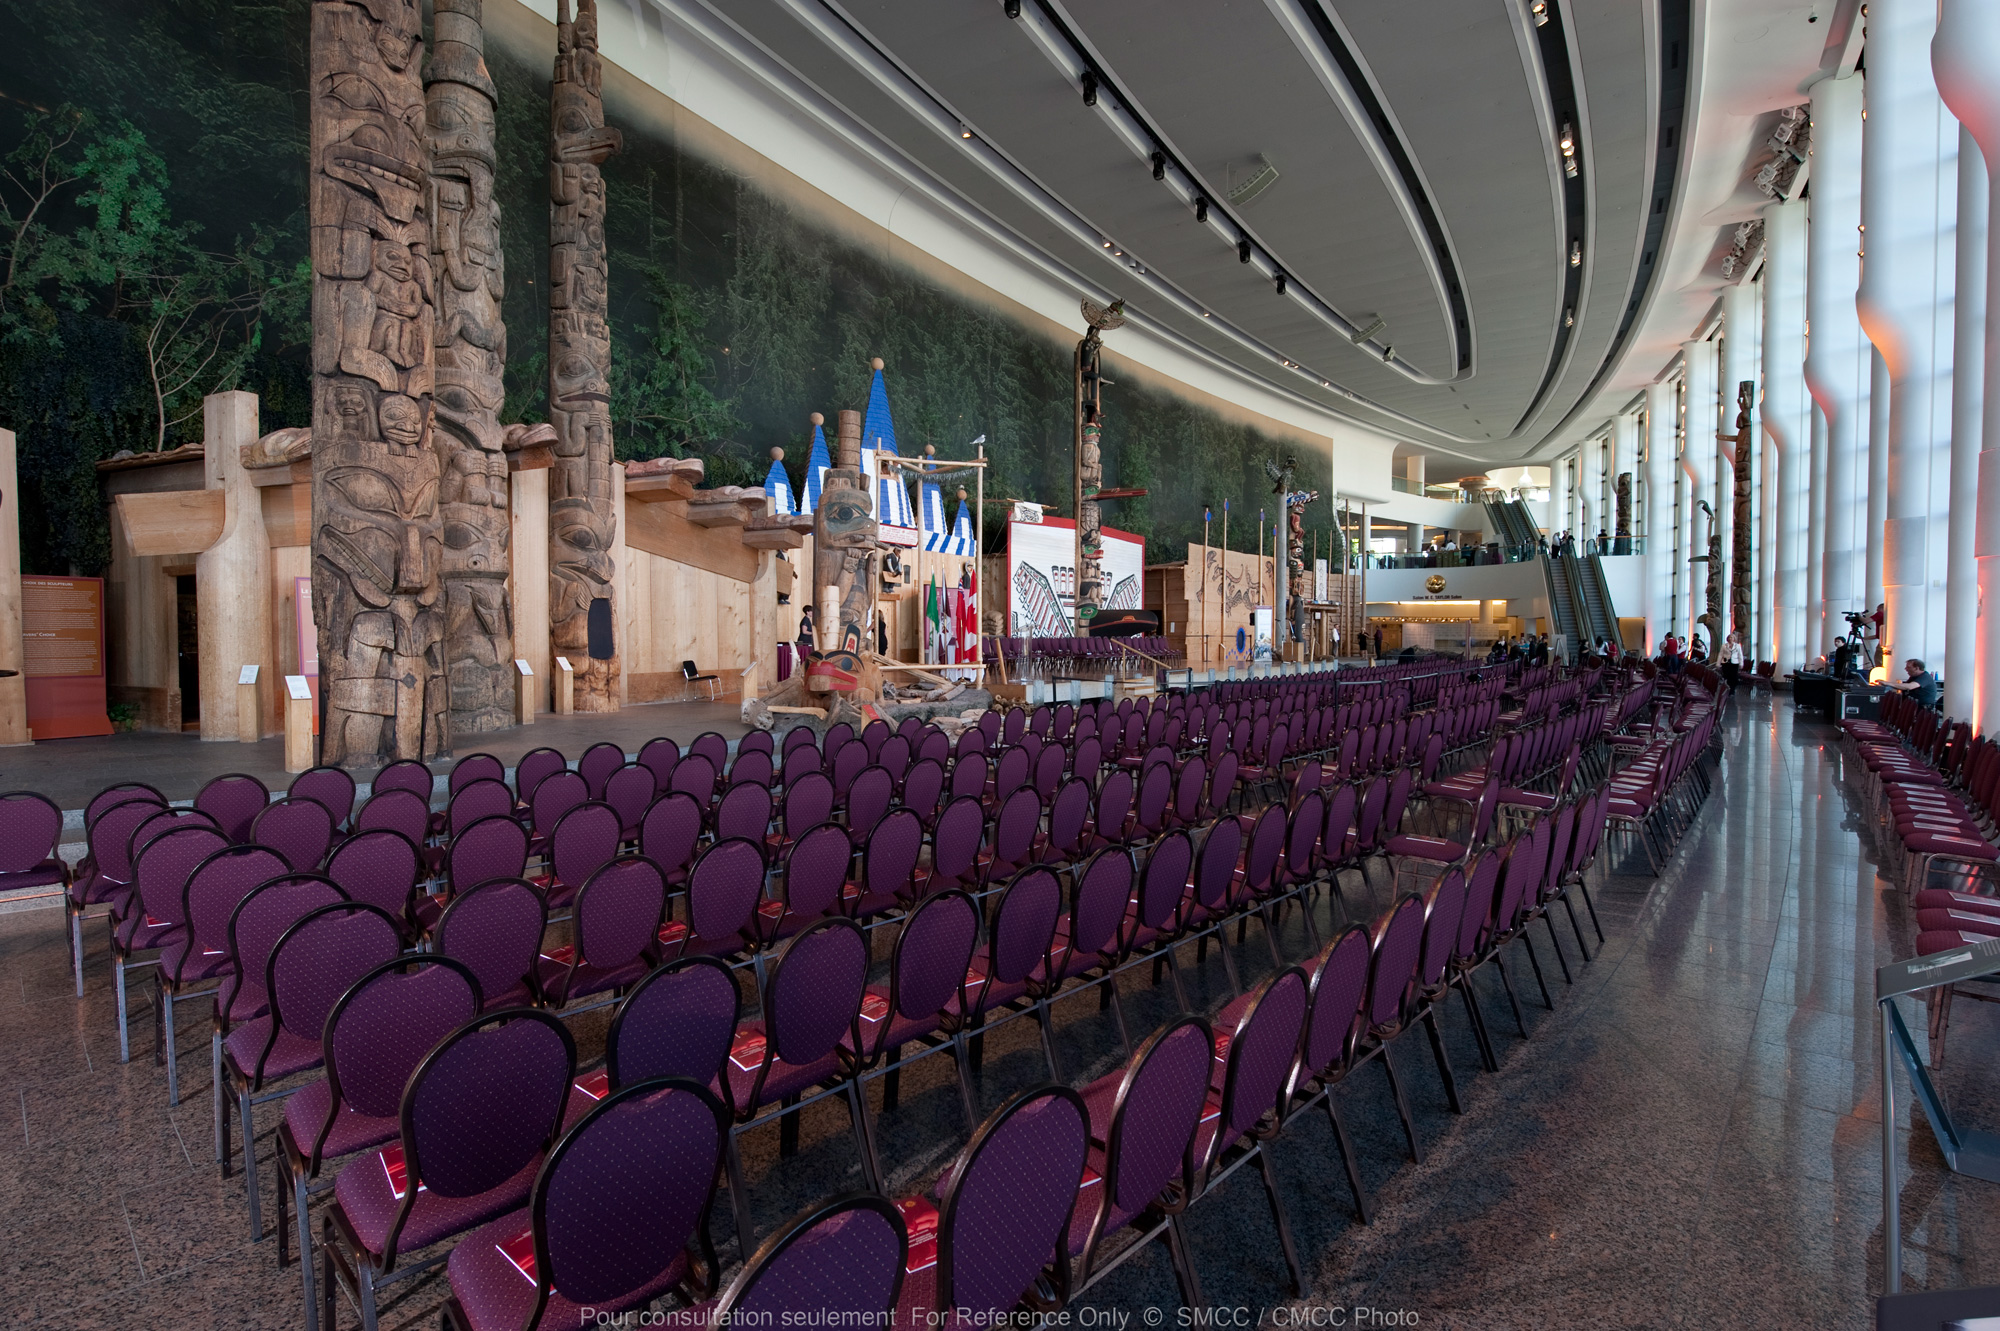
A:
(679, 613)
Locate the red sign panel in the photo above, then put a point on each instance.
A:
(62, 646)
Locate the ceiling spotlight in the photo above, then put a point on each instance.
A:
(1567, 143)
(1107, 244)
(1089, 89)
(1201, 210)
(1569, 317)
(1243, 250)
(1013, 8)
(1159, 166)
(1280, 280)
(1540, 9)
(963, 131)
(1575, 253)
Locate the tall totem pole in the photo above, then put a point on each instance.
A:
(1090, 459)
(468, 275)
(377, 536)
(1739, 553)
(582, 495)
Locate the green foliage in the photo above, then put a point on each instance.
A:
(661, 402)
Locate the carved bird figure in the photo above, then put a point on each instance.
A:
(1104, 318)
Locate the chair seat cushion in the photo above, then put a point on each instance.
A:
(289, 1053)
(486, 1275)
(1938, 898)
(369, 1200)
(1943, 843)
(782, 1080)
(562, 984)
(207, 964)
(1964, 921)
(45, 874)
(305, 1114)
(1426, 848)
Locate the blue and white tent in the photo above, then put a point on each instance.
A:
(961, 542)
(817, 466)
(932, 517)
(778, 485)
(878, 434)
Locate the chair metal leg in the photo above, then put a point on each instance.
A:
(1174, 974)
(1345, 1144)
(1118, 1014)
(1556, 943)
(965, 1083)
(1478, 1020)
(76, 949)
(1283, 1225)
(173, 1053)
(1500, 964)
(1576, 927)
(1528, 942)
(250, 1166)
(1402, 1103)
(305, 1255)
(1183, 1259)
(864, 1135)
(124, 1036)
(1048, 1040)
(1443, 1061)
(215, 1094)
(739, 1199)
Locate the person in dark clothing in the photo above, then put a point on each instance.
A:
(1378, 643)
(805, 631)
(1919, 681)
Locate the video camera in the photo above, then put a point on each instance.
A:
(1857, 620)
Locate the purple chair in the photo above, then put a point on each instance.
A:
(105, 875)
(1190, 784)
(744, 811)
(30, 825)
(868, 798)
(837, 736)
(474, 767)
(398, 811)
(1114, 811)
(1001, 1213)
(1257, 1052)
(757, 741)
(1013, 971)
(584, 841)
(617, 923)
(1158, 911)
(888, 867)
(840, 1261)
(1156, 792)
(815, 874)
(597, 764)
(1146, 1116)
(800, 1049)
(799, 737)
(660, 756)
(1014, 836)
(1091, 939)
(233, 800)
(629, 790)
(972, 740)
(493, 847)
(1010, 773)
(1069, 823)
(197, 958)
(376, 1035)
(1444, 913)
(800, 759)
(299, 829)
(711, 746)
(956, 839)
(406, 774)
(895, 757)
(555, 795)
(912, 730)
(1398, 940)
(923, 789)
(925, 996)
(611, 1223)
(676, 1022)
(752, 767)
(1088, 759)
(722, 898)
(314, 962)
(1049, 771)
(534, 766)
(477, 1119)
(808, 803)
(935, 745)
(482, 797)
(695, 775)
(846, 763)
(968, 776)
(669, 832)
(496, 930)
(164, 861)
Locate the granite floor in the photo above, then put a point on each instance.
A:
(1690, 1138)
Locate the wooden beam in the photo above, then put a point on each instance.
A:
(772, 538)
(654, 489)
(657, 530)
(717, 513)
(171, 522)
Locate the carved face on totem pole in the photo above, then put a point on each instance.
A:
(844, 546)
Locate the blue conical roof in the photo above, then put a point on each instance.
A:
(817, 465)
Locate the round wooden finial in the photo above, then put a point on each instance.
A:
(961, 494)
(818, 419)
(876, 363)
(930, 450)
(777, 455)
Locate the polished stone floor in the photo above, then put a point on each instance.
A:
(1690, 1138)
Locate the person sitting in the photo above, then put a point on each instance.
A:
(1919, 681)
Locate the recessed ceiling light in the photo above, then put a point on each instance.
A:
(963, 132)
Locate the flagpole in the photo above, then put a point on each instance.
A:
(1201, 592)
(1222, 609)
(979, 569)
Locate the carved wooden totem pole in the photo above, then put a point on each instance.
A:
(582, 495)
(1712, 616)
(845, 576)
(1090, 460)
(1621, 526)
(468, 275)
(376, 532)
(1739, 553)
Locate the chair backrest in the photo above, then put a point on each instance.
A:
(669, 831)
(214, 890)
(800, 760)
(677, 1022)
(1339, 984)
(1098, 900)
(1482, 880)
(1302, 838)
(1008, 1201)
(1368, 823)
(1215, 866)
(890, 863)
(1024, 925)
(626, 1190)
(956, 839)
(585, 840)
(118, 793)
(932, 954)
(383, 1025)
(895, 757)
(1069, 818)
(1114, 804)
(474, 767)
(802, 737)
(1165, 879)
(816, 869)
(406, 774)
(1337, 822)
(630, 791)
(723, 889)
(495, 847)
(836, 737)
(923, 787)
(331, 786)
(597, 764)
(1154, 1114)
(1444, 911)
(868, 798)
(1156, 789)
(534, 766)
(839, 1262)
(659, 755)
(874, 735)
(1398, 938)
(1013, 725)
(29, 827)
(744, 811)
(813, 996)
(753, 767)
(555, 795)
(1010, 772)
(165, 862)
(233, 800)
(1262, 1050)
(398, 810)
(300, 830)
(845, 763)
(808, 803)
(378, 867)
(1223, 779)
(323, 953)
(482, 797)
(110, 835)
(618, 912)
(1088, 758)
(971, 740)
(496, 930)
(256, 924)
(485, 1103)
(711, 746)
(935, 745)
(1267, 849)
(968, 775)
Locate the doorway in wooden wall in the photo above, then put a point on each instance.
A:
(187, 632)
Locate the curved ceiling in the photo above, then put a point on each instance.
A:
(1366, 205)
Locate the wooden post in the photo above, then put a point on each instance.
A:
(565, 687)
(232, 576)
(526, 690)
(530, 586)
(298, 724)
(13, 688)
(249, 716)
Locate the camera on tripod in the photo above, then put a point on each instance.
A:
(1856, 619)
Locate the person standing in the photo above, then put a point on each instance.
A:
(1732, 661)
(805, 632)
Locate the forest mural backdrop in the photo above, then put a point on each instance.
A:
(152, 250)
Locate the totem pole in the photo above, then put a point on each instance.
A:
(377, 538)
(1739, 554)
(1090, 459)
(582, 520)
(845, 576)
(1621, 530)
(1281, 485)
(1712, 616)
(468, 275)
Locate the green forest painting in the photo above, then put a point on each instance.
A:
(153, 226)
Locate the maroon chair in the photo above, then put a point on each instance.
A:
(753, 767)
(161, 865)
(923, 1002)
(406, 774)
(1013, 971)
(868, 797)
(536, 765)
(721, 902)
(493, 847)
(616, 1215)
(104, 876)
(956, 839)
(711, 746)
(482, 797)
(935, 745)
(555, 795)
(496, 930)
(332, 787)
(597, 764)
(318, 957)
(1069, 823)
(1014, 835)
(1114, 810)
(1397, 945)
(923, 790)
(695, 775)
(757, 741)
(840, 1262)
(669, 833)
(1145, 1115)
(968, 776)
(1151, 809)
(676, 1022)
(301, 830)
(800, 759)
(474, 767)
(888, 867)
(629, 790)
(194, 961)
(583, 841)
(398, 811)
(808, 803)
(376, 1035)
(799, 737)
(617, 923)
(1158, 910)
(744, 811)
(815, 875)
(1001, 1211)
(895, 757)
(234, 801)
(792, 1055)
(1091, 937)
(660, 756)
(477, 1119)
(1444, 913)
(1339, 985)
(30, 826)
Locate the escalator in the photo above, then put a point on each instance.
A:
(1595, 594)
(1512, 524)
(1565, 612)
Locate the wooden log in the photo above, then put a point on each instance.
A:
(171, 522)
